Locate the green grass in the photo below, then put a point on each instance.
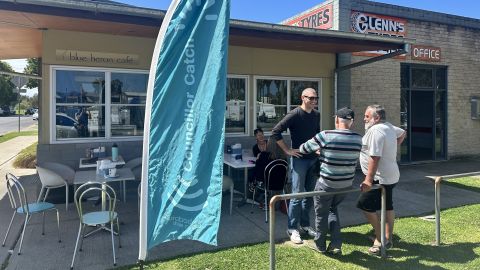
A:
(471, 183)
(27, 158)
(460, 249)
(11, 135)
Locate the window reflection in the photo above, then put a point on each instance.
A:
(80, 87)
(271, 102)
(235, 114)
(79, 122)
(127, 120)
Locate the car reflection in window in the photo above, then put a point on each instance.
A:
(66, 126)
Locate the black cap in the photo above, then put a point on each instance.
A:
(345, 113)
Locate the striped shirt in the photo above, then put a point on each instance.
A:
(339, 152)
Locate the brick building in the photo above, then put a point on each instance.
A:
(430, 91)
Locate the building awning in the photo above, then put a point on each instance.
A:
(22, 23)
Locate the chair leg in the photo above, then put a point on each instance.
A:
(76, 244)
(40, 195)
(23, 234)
(43, 223)
(266, 206)
(66, 197)
(58, 226)
(253, 200)
(8, 230)
(231, 199)
(113, 243)
(83, 236)
(118, 232)
(46, 194)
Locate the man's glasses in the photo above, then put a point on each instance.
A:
(311, 98)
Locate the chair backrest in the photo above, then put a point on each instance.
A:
(136, 166)
(16, 193)
(276, 174)
(95, 188)
(49, 177)
(63, 170)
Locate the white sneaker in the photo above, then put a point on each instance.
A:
(295, 237)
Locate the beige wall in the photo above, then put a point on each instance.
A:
(268, 62)
(242, 61)
(54, 40)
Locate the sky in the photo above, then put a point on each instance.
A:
(274, 11)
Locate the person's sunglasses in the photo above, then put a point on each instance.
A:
(311, 98)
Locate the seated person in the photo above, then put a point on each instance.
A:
(273, 152)
(261, 145)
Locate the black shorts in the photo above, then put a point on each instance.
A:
(372, 201)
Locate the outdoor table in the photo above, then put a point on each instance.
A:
(247, 161)
(85, 162)
(123, 174)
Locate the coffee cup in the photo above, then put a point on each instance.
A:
(112, 172)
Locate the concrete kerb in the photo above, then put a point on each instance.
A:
(437, 181)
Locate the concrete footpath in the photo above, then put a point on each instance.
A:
(414, 196)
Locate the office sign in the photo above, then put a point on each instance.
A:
(426, 53)
(319, 17)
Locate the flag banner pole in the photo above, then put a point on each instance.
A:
(183, 142)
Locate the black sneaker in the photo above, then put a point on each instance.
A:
(307, 231)
(334, 250)
(313, 246)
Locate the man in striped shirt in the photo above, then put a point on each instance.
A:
(339, 151)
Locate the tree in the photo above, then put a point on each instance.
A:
(33, 69)
(7, 96)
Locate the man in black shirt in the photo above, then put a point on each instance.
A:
(303, 123)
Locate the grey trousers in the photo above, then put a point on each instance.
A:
(326, 217)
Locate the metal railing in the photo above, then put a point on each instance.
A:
(437, 181)
(322, 193)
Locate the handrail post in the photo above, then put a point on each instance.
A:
(438, 180)
(272, 231)
(383, 214)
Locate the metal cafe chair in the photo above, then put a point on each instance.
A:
(275, 178)
(20, 205)
(51, 179)
(96, 218)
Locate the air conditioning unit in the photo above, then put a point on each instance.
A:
(475, 101)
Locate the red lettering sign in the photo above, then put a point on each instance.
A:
(318, 18)
(426, 53)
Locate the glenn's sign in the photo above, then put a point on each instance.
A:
(426, 53)
(320, 17)
(74, 56)
(367, 23)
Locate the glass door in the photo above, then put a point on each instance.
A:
(423, 112)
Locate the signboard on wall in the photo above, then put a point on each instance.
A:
(426, 53)
(369, 23)
(319, 17)
(86, 57)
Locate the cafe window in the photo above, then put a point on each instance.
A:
(236, 110)
(275, 97)
(98, 103)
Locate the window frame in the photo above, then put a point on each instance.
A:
(53, 104)
(247, 105)
(289, 102)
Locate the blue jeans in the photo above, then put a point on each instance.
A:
(326, 217)
(303, 179)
